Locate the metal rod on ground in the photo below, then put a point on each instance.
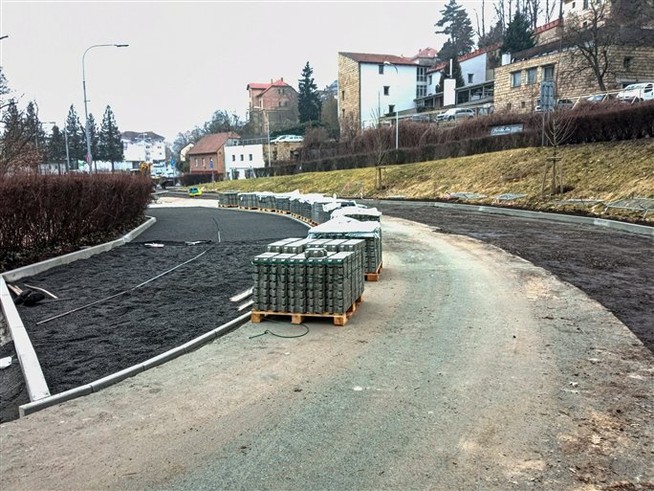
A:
(240, 296)
(245, 305)
(121, 293)
(42, 290)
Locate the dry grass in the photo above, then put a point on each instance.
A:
(601, 171)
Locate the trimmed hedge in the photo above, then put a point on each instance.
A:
(46, 215)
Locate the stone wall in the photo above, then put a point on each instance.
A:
(349, 81)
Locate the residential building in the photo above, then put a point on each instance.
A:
(630, 58)
(139, 147)
(207, 157)
(241, 160)
(272, 107)
(371, 86)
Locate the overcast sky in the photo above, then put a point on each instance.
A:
(186, 60)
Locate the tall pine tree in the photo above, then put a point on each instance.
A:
(518, 34)
(308, 99)
(110, 146)
(456, 24)
(75, 130)
(57, 147)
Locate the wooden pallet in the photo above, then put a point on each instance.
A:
(373, 276)
(296, 318)
(227, 206)
(248, 207)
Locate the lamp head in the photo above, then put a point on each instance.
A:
(121, 45)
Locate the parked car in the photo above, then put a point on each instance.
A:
(455, 114)
(637, 92)
(194, 191)
(559, 104)
(287, 139)
(603, 97)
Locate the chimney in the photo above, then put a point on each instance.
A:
(282, 79)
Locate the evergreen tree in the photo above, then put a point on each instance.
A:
(76, 145)
(93, 136)
(308, 98)
(56, 149)
(34, 131)
(456, 23)
(518, 35)
(492, 37)
(110, 146)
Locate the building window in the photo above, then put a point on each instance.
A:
(516, 79)
(508, 106)
(471, 76)
(391, 108)
(387, 90)
(381, 69)
(430, 80)
(573, 5)
(627, 62)
(196, 162)
(250, 157)
(522, 104)
(342, 95)
(421, 74)
(241, 157)
(421, 91)
(585, 4)
(233, 158)
(548, 72)
(203, 162)
(531, 75)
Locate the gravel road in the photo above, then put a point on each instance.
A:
(464, 368)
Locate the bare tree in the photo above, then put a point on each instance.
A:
(558, 127)
(590, 39)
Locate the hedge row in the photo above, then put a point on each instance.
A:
(44, 214)
(420, 142)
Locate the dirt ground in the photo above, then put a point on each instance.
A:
(616, 269)
(464, 368)
(102, 339)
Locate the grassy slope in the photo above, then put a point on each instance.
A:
(601, 171)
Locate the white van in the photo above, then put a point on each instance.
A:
(637, 92)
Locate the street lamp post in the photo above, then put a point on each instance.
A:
(89, 157)
(397, 119)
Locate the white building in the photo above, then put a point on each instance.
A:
(372, 86)
(143, 147)
(241, 160)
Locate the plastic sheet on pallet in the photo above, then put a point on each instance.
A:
(349, 228)
(361, 213)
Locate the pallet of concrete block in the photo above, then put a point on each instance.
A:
(358, 212)
(349, 228)
(266, 201)
(315, 283)
(228, 199)
(322, 209)
(249, 201)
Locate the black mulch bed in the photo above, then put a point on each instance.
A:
(614, 268)
(100, 340)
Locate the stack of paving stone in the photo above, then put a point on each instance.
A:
(228, 198)
(318, 280)
(248, 200)
(283, 203)
(348, 228)
(266, 201)
(321, 210)
(278, 246)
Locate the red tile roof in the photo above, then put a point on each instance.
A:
(276, 83)
(211, 143)
(379, 59)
